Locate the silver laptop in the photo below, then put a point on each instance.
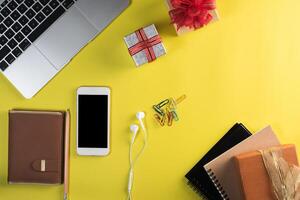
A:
(39, 37)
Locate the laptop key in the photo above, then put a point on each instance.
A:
(22, 8)
(47, 10)
(10, 58)
(29, 2)
(12, 43)
(5, 12)
(8, 22)
(33, 23)
(23, 20)
(15, 15)
(40, 17)
(4, 51)
(3, 40)
(3, 65)
(24, 45)
(30, 14)
(12, 5)
(4, 3)
(17, 52)
(48, 22)
(26, 30)
(2, 28)
(16, 27)
(44, 2)
(9, 33)
(68, 3)
(19, 37)
(37, 7)
(54, 4)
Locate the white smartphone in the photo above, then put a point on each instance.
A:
(93, 121)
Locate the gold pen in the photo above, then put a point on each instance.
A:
(67, 155)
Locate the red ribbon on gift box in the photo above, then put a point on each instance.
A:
(191, 13)
(145, 44)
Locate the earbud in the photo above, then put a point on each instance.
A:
(140, 116)
(134, 129)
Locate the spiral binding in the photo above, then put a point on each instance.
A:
(195, 187)
(216, 182)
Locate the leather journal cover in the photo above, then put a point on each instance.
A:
(222, 170)
(254, 176)
(197, 177)
(36, 147)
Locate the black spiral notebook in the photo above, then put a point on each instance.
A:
(198, 178)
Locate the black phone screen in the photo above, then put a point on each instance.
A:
(92, 121)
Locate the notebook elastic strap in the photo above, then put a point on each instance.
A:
(46, 165)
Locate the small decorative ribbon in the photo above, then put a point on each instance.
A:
(285, 178)
(145, 44)
(193, 14)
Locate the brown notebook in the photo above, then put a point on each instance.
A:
(36, 147)
(222, 170)
(253, 173)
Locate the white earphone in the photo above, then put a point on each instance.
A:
(134, 130)
(140, 116)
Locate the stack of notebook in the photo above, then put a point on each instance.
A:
(214, 176)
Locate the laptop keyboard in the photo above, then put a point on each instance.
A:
(23, 21)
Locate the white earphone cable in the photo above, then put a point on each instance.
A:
(133, 161)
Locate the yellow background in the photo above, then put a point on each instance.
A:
(243, 68)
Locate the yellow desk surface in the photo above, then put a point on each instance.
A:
(245, 67)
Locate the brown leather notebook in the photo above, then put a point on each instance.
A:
(36, 147)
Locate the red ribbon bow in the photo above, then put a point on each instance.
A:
(145, 44)
(191, 13)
